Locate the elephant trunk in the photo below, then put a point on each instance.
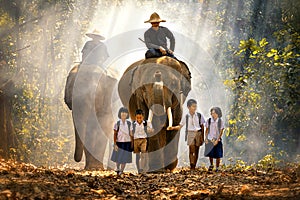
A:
(159, 108)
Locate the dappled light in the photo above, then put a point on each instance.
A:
(57, 111)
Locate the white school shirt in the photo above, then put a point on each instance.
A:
(193, 121)
(140, 131)
(123, 134)
(214, 130)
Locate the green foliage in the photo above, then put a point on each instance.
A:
(260, 67)
(268, 162)
(266, 90)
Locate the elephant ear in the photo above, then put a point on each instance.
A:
(124, 86)
(69, 86)
(186, 82)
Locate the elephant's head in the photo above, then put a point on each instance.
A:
(158, 86)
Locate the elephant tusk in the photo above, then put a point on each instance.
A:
(181, 97)
(170, 117)
(150, 116)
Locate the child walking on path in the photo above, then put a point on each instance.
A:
(123, 142)
(213, 137)
(194, 122)
(140, 131)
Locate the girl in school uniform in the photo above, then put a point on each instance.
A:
(213, 137)
(123, 141)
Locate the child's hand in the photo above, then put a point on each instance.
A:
(150, 130)
(216, 142)
(116, 147)
(171, 128)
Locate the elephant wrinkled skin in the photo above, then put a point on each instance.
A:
(88, 94)
(158, 86)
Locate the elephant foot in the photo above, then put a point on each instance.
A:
(172, 166)
(98, 167)
(158, 171)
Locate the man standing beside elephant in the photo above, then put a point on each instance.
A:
(155, 39)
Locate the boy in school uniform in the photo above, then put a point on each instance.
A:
(140, 130)
(194, 135)
(213, 137)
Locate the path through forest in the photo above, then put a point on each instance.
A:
(19, 181)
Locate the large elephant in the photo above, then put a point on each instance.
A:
(88, 94)
(158, 86)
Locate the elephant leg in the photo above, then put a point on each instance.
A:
(95, 150)
(171, 150)
(157, 143)
(137, 161)
(80, 118)
(172, 165)
(172, 140)
(92, 163)
(106, 124)
(95, 160)
(95, 144)
(156, 154)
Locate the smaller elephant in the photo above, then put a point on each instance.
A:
(88, 94)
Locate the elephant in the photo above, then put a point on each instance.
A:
(88, 94)
(158, 86)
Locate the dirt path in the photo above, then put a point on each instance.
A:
(19, 181)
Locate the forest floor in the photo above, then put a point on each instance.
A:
(25, 181)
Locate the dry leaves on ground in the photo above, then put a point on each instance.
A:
(19, 181)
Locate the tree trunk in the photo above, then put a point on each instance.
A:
(7, 134)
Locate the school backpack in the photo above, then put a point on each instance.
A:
(118, 125)
(186, 128)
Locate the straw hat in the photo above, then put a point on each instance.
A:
(154, 18)
(95, 34)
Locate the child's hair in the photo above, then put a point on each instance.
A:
(139, 112)
(190, 102)
(124, 110)
(217, 110)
